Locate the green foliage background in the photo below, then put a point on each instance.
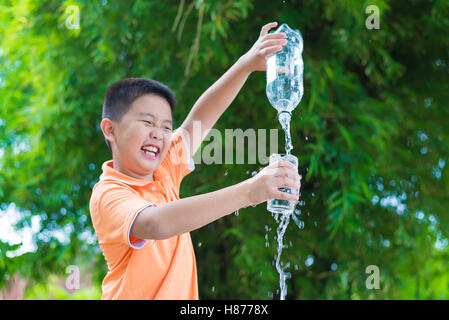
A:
(371, 133)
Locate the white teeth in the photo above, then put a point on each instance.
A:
(150, 148)
(151, 153)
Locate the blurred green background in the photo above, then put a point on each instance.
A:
(371, 134)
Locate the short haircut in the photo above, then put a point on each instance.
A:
(121, 94)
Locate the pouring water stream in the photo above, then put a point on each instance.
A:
(284, 91)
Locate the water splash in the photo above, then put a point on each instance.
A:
(295, 218)
(284, 220)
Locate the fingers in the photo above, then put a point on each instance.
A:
(286, 172)
(282, 169)
(290, 182)
(267, 27)
(272, 36)
(292, 193)
(285, 196)
(272, 43)
(282, 163)
(281, 172)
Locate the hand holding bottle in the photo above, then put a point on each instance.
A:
(256, 58)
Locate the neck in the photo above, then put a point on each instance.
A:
(123, 169)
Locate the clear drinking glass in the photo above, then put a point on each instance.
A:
(278, 205)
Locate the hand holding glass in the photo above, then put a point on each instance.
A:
(278, 205)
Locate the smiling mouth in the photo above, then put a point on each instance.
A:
(150, 151)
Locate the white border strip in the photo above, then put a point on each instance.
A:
(142, 242)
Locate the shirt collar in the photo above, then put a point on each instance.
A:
(109, 173)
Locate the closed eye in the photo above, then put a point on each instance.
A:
(147, 122)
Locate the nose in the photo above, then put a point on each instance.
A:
(156, 133)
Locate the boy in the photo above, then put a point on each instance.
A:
(141, 224)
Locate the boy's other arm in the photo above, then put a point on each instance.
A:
(217, 98)
(188, 214)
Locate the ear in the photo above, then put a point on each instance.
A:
(107, 126)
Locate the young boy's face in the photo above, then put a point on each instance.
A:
(142, 137)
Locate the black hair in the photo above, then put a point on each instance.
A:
(121, 94)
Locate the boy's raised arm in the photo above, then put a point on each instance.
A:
(217, 98)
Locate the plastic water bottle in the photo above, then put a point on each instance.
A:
(285, 74)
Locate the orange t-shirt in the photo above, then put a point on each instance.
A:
(140, 268)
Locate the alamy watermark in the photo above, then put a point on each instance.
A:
(233, 146)
(72, 281)
(73, 17)
(373, 280)
(373, 19)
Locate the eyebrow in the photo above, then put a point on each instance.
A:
(147, 114)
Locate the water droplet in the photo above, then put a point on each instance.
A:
(226, 173)
(253, 173)
(200, 244)
(307, 138)
(309, 260)
(212, 289)
(236, 213)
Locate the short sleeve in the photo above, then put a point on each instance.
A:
(178, 161)
(114, 208)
